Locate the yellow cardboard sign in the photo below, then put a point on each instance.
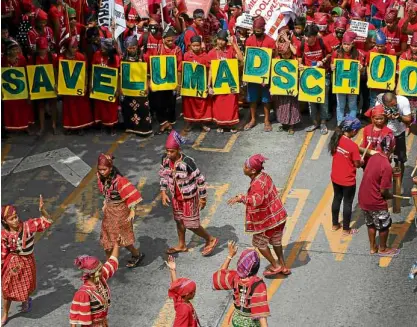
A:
(381, 71)
(134, 78)
(71, 77)
(194, 80)
(257, 65)
(312, 85)
(407, 79)
(163, 73)
(14, 83)
(41, 81)
(104, 83)
(225, 76)
(346, 77)
(284, 77)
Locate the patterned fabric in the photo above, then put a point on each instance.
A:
(22, 33)
(33, 36)
(287, 110)
(185, 175)
(136, 115)
(239, 320)
(91, 303)
(249, 294)
(379, 219)
(187, 211)
(264, 209)
(247, 261)
(272, 236)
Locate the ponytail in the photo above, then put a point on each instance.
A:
(334, 140)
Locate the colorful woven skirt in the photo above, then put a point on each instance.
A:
(239, 320)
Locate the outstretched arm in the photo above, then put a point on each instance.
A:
(172, 268)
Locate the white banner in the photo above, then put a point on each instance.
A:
(360, 28)
(105, 13)
(112, 11)
(119, 17)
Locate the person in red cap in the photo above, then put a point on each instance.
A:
(409, 23)
(18, 268)
(40, 29)
(76, 110)
(396, 39)
(182, 291)
(333, 41)
(90, 304)
(179, 174)
(347, 51)
(259, 92)
(18, 114)
(119, 206)
(249, 291)
(265, 215)
(42, 56)
(374, 191)
(311, 8)
(132, 19)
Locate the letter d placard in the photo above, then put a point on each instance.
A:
(257, 65)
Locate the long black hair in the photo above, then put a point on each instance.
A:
(354, 52)
(334, 140)
(349, 124)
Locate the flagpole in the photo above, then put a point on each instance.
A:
(162, 15)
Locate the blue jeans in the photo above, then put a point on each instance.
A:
(352, 101)
(372, 97)
(322, 108)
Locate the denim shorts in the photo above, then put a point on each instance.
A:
(257, 91)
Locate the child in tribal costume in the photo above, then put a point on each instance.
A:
(91, 302)
(187, 186)
(249, 291)
(120, 200)
(181, 291)
(18, 268)
(265, 214)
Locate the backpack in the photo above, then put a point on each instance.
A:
(323, 48)
(180, 41)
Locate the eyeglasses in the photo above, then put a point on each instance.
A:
(72, 18)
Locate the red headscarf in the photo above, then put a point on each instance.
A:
(181, 287)
(259, 23)
(320, 18)
(7, 211)
(375, 111)
(41, 43)
(41, 15)
(358, 12)
(256, 162)
(174, 140)
(88, 264)
(341, 22)
(132, 15)
(349, 37)
(105, 160)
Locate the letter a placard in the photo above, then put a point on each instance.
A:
(41, 81)
(257, 65)
(225, 76)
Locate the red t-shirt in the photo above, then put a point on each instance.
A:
(57, 14)
(331, 42)
(266, 42)
(153, 42)
(388, 51)
(161, 50)
(200, 58)
(189, 33)
(311, 53)
(216, 54)
(98, 59)
(361, 56)
(377, 176)
(370, 134)
(395, 38)
(44, 61)
(185, 315)
(343, 170)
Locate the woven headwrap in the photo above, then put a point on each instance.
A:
(88, 265)
(375, 111)
(105, 160)
(350, 124)
(7, 211)
(341, 22)
(174, 140)
(259, 23)
(349, 37)
(248, 259)
(391, 15)
(181, 287)
(256, 162)
(131, 41)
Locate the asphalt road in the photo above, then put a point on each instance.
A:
(335, 282)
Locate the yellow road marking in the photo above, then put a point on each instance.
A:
(227, 147)
(5, 151)
(319, 147)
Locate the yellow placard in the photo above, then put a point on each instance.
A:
(194, 80)
(407, 79)
(14, 83)
(312, 85)
(284, 77)
(71, 77)
(41, 81)
(381, 71)
(346, 76)
(134, 78)
(225, 76)
(257, 65)
(163, 73)
(104, 83)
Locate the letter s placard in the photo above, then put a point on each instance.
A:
(13, 83)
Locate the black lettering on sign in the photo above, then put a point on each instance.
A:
(200, 94)
(318, 99)
(142, 93)
(79, 92)
(111, 98)
(233, 90)
(388, 86)
(352, 91)
(290, 92)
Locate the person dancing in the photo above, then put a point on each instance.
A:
(120, 200)
(18, 268)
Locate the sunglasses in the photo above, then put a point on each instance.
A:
(72, 18)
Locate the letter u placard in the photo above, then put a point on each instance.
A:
(163, 73)
(41, 81)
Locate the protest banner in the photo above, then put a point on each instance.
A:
(225, 76)
(134, 78)
(257, 65)
(14, 83)
(245, 21)
(141, 7)
(312, 86)
(163, 73)
(407, 79)
(381, 71)
(359, 27)
(194, 80)
(41, 81)
(71, 77)
(198, 4)
(284, 77)
(104, 83)
(346, 77)
(105, 13)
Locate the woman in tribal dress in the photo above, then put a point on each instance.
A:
(120, 200)
(249, 291)
(18, 268)
(136, 114)
(91, 302)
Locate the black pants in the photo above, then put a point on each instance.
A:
(163, 103)
(345, 193)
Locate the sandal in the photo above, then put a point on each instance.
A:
(268, 128)
(233, 131)
(26, 306)
(350, 232)
(291, 131)
(323, 129)
(311, 128)
(286, 272)
(4, 322)
(135, 261)
(249, 126)
(272, 272)
(389, 253)
(280, 128)
(335, 228)
(220, 130)
(174, 251)
(206, 128)
(209, 249)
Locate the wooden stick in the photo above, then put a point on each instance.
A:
(414, 171)
(402, 197)
(366, 150)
